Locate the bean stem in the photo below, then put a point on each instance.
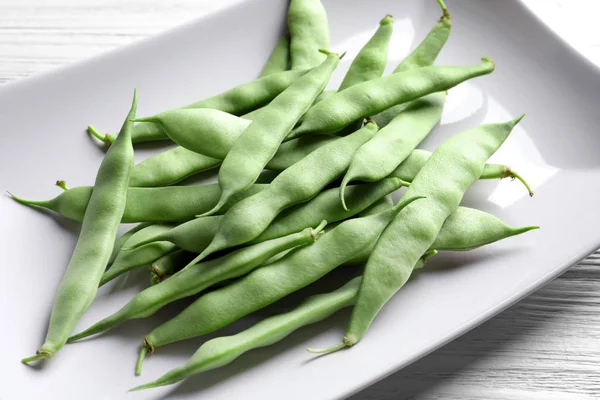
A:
(509, 173)
(41, 355)
(140, 360)
(62, 184)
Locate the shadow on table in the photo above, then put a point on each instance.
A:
(488, 340)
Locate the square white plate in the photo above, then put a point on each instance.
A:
(43, 139)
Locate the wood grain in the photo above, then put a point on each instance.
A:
(545, 347)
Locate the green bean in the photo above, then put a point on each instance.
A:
(468, 228)
(94, 245)
(166, 204)
(168, 264)
(371, 60)
(268, 284)
(120, 242)
(460, 160)
(202, 130)
(465, 229)
(378, 157)
(309, 32)
(170, 167)
(254, 148)
(422, 56)
(279, 60)
(130, 259)
(297, 184)
(238, 101)
(369, 98)
(199, 277)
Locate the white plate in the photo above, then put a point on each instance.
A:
(555, 147)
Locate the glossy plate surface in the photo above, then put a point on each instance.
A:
(555, 147)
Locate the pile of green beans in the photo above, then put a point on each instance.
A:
(290, 158)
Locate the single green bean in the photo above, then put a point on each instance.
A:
(95, 243)
(297, 184)
(423, 55)
(309, 32)
(268, 284)
(465, 229)
(378, 157)
(165, 204)
(369, 98)
(199, 277)
(279, 60)
(238, 101)
(254, 148)
(460, 160)
(371, 60)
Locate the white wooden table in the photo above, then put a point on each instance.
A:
(546, 347)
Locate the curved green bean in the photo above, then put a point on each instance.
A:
(201, 276)
(268, 284)
(94, 245)
(254, 148)
(369, 98)
(309, 32)
(297, 184)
